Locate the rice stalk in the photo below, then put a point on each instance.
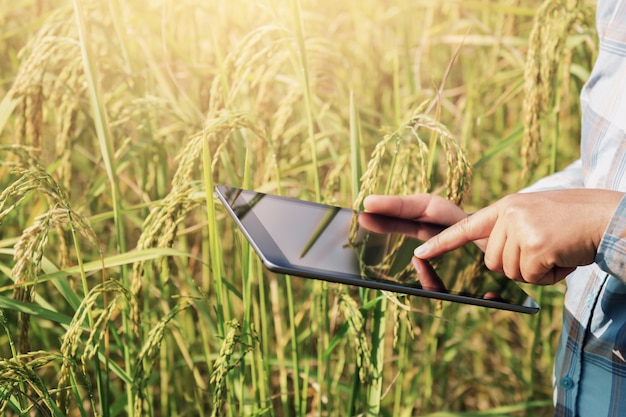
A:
(29, 249)
(14, 354)
(67, 91)
(45, 52)
(280, 341)
(409, 172)
(75, 360)
(264, 62)
(366, 47)
(409, 161)
(253, 65)
(306, 87)
(28, 256)
(554, 23)
(458, 169)
(49, 73)
(356, 156)
(105, 141)
(333, 180)
(24, 371)
(146, 358)
(375, 387)
(285, 112)
(295, 362)
(222, 366)
(403, 326)
(32, 178)
(356, 329)
(159, 229)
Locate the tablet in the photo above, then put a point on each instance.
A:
(340, 245)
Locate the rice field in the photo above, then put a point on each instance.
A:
(125, 290)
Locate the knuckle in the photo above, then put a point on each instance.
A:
(534, 244)
(465, 226)
(515, 208)
(513, 274)
(537, 243)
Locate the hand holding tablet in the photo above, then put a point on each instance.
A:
(371, 250)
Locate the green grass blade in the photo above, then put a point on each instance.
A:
(355, 148)
(375, 388)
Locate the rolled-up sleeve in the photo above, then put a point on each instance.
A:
(611, 255)
(568, 178)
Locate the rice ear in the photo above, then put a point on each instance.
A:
(356, 329)
(554, 23)
(408, 151)
(222, 364)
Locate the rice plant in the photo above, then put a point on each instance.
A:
(124, 288)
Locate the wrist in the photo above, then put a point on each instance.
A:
(611, 252)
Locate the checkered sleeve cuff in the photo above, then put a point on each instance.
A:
(611, 256)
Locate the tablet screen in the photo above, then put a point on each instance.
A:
(336, 244)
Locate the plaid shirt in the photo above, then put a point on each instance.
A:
(590, 367)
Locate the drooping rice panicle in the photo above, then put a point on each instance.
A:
(147, 356)
(554, 23)
(23, 371)
(76, 348)
(32, 178)
(222, 365)
(358, 335)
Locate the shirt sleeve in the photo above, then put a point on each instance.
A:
(568, 178)
(611, 255)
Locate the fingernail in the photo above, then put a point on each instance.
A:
(422, 250)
